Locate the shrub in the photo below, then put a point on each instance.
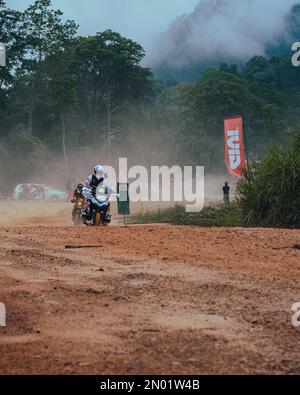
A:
(230, 216)
(270, 193)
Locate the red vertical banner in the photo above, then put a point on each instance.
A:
(234, 146)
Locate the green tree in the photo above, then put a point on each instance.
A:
(46, 34)
(11, 34)
(110, 76)
(61, 90)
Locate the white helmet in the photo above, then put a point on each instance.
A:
(99, 172)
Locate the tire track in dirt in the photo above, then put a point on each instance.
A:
(154, 299)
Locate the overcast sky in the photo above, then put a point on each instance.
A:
(141, 20)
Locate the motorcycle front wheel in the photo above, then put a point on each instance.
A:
(77, 220)
(97, 221)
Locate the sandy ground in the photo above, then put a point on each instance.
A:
(153, 299)
(59, 213)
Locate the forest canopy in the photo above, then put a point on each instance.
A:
(67, 100)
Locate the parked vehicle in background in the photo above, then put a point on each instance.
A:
(38, 192)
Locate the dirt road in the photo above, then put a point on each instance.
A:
(149, 299)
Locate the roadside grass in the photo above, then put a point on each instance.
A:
(219, 216)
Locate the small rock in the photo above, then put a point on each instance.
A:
(211, 312)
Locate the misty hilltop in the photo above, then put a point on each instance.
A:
(229, 31)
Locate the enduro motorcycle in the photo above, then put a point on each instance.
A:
(98, 205)
(78, 212)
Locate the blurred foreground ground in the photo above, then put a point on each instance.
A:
(149, 299)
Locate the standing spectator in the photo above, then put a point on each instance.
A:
(39, 192)
(226, 193)
(26, 192)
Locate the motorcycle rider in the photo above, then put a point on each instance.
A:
(96, 178)
(96, 181)
(92, 182)
(77, 195)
